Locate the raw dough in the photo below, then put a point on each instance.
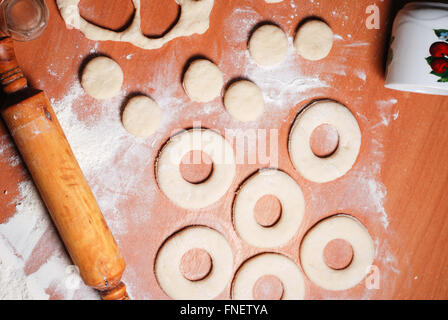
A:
(314, 40)
(341, 161)
(268, 45)
(102, 78)
(142, 116)
(203, 81)
(196, 196)
(268, 182)
(244, 101)
(194, 19)
(313, 245)
(269, 264)
(273, 1)
(169, 258)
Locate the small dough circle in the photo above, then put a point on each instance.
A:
(268, 287)
(203, 81)
(314, 40)
(244, 101)
(326, 169)
(269, 264)
(268, 45)
(170, 277)
(315, 241)
(196, 264)
(183, 193)
(142, 116)
(102, 78)
(338, 254)
(268, 182)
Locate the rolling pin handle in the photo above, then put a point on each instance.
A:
(117, 293)
(12, 78)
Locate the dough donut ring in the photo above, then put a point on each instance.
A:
(341, 161)
(183, 193)
(194, 19)
(268, 182)
(313, 245)
(269, 264)
(169, 257)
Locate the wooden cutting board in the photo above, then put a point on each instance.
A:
(397, 187)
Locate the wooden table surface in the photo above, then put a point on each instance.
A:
(404, 147)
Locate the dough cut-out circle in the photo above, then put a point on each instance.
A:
(314, 40)
(244, 101)
(311, 166)
(313, 247)
(141, 116)
(196, 166)
(168, 265)
(268, 45)
(286, 190)
(203, 81)
(102, 78)
(194, 19)
(189, 195)
(338, 254)
(259, 277)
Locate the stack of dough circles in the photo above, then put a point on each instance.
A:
(286, 190)
(326, 169)
(183, 193)
(102, 78)
(314, 40)
(203, 81)
(244, 101)
(169, 257)
(141, 116)
(312, 252)
(268, 45)
(269, 264)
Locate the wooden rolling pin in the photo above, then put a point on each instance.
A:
(43, 146)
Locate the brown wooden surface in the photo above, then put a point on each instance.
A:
(411, 252)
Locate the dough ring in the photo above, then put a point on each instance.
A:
(265, 276)
(169, 268)
(194, 19)
(311, 166)
(314, 244)
(195, 195)
(248, 224)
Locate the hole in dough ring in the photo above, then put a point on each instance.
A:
(313, 245)
(169, 275)
(194, 19)
(183, 193)
(268, 182)
(342, 160)
(269, 264)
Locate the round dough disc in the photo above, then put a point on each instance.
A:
(269, 264)
(268, 182)
(141, 116)
(341, 161)
(268, 45)
(195, 196)
(314, 40)
(102, 78)
(203, 81)
(169, 258)
(313, 246)
(244, 101)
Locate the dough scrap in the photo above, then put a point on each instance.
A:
(314, 40)
(268, 182)
(268, 45)
(269, 264)
(244, 101)
(194, 19)
(313, 245)
(141, 116)
(203, 81)
(273, 1)
(169, 257)
(196, 196)
(342, 160)
(102, 78)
